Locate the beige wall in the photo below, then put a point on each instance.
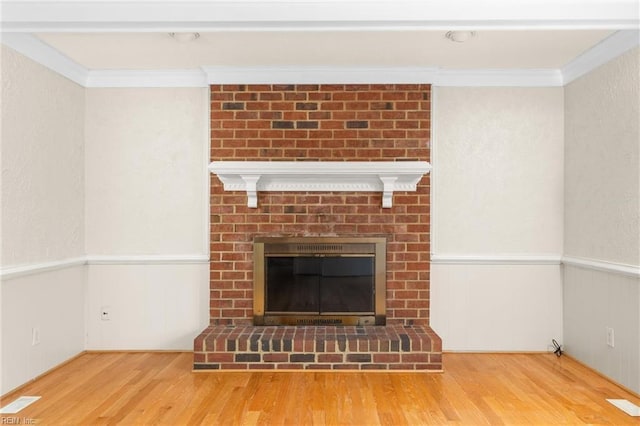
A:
(42, 190)
(498, 171)
(118, 176)
(497, 196)
(146, 153)
(602, 209)
(42, 163)
(146, 217)
(602, 195)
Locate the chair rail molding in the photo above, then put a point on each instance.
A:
(496, 259)
(17, 271)
(602, 265)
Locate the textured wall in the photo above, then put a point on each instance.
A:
(498, 179)
(146, 171)
(42, 218)
(42, 163)
(602, 196)
(498, 171)
(602, 209)
(147, 181)
(315, 123)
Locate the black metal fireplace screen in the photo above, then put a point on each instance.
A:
(319, 281)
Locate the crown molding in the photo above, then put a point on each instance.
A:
(382, 75)
(318, 75)
(40, 52)
(37, 50)
(314, 15)
(499, 78)
(146, 78)
(610, 48)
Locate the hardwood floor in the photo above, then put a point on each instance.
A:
(475, 389)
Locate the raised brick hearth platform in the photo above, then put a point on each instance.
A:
(392, 347)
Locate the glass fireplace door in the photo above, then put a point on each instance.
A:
(321, 285)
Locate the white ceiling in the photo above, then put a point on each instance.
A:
(489, 49)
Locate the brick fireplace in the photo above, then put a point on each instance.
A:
(368, 122)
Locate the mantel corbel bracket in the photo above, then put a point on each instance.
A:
(388, 186)
(251, 185)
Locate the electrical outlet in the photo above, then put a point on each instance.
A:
(35, 336)
(105, 313)
(610, 337)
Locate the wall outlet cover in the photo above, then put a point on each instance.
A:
(35, 336)
(610, 337)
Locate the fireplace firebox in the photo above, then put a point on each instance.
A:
(319, 281)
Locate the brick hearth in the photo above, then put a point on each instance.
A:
(319, 123)
(393, 347)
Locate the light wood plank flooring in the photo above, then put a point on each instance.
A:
(475, 389)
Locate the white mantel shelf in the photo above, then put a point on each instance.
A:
(326, 176)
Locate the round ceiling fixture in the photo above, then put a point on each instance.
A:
(185, 37)
(460, 36)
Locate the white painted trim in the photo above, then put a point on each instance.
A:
(499, 78)
(146, 78)
(434, 170)
(318, 75)
(602, 265)
(535, 259)
(11, 272)
(383, 75)
(303, 176)
(446, 259)
(155, 259)
(37, 268)
(206, 159)
(497, 259)
(40, 52)
(610, 48)
(305, 15)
